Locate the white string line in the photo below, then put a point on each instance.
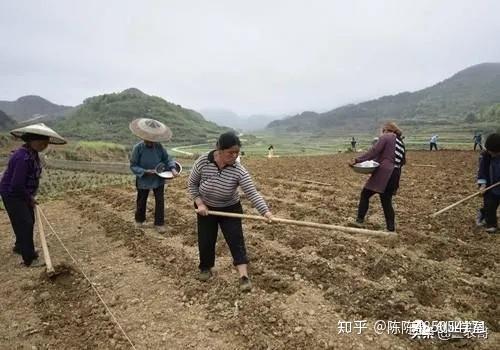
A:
(379, 259)
(91, 284)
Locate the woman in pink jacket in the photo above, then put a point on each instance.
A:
(389, 152)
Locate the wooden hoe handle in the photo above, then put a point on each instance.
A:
(303, 223)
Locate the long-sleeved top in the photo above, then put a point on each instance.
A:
(399, 153)
(144, 158)
(218, 187)
(389, 152)
(489, 171)
(22, 177)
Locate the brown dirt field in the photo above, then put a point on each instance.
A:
(305, 280)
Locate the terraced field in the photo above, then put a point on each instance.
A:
(305, 280)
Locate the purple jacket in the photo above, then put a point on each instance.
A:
(22, 176)
(382, 152)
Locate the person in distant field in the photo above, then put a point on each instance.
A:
(433, 142)
(213, 185)
(389, 152)
(353, 144)
(146, 157)
(478, 140)
(489, 174)
(19, 186)
(270, 151)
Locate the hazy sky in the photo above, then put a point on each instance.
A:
(247, 56)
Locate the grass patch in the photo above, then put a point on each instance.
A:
(99, 146)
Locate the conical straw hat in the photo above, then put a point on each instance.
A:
(40, 129)
(150, 130)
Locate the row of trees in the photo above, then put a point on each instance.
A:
(487, 114)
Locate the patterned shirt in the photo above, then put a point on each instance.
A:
(218, 187)
(399, 157)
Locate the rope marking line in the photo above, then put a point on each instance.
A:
(91, 283)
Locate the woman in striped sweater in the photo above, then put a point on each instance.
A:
(389, 151)
(213, 184)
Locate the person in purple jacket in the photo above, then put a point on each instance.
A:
(19, 186)
(389, 152)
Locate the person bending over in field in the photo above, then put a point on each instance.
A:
(478, 141)
(433, 142)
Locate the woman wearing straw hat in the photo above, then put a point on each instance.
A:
(213, 185)
(19, 186)
(147, 156)
(389, 151)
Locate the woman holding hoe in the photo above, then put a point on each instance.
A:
(213, 185)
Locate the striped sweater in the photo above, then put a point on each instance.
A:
(399, 157)
(218, 187)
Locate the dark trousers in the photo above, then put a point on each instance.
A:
(491, 202)
(385, 199)
(142, 200)
(22, 218)
(232, 230)
(478, 144)
(433, 145)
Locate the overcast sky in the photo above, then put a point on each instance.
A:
(268, 57)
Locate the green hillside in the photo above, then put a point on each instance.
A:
(468, 92)
(106, 117)
(490, 114)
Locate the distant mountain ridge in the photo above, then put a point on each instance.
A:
(231, 119)
(468, 91)
(106, 117)
(6, 122)
(32, 106)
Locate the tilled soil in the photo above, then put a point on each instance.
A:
(305, 280)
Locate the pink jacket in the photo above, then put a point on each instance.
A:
(382, 152)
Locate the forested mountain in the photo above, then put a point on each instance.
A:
(106, 117)
(467, 92)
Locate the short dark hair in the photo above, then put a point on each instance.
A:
(492, 143)
(27, 137)
(228, 140)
